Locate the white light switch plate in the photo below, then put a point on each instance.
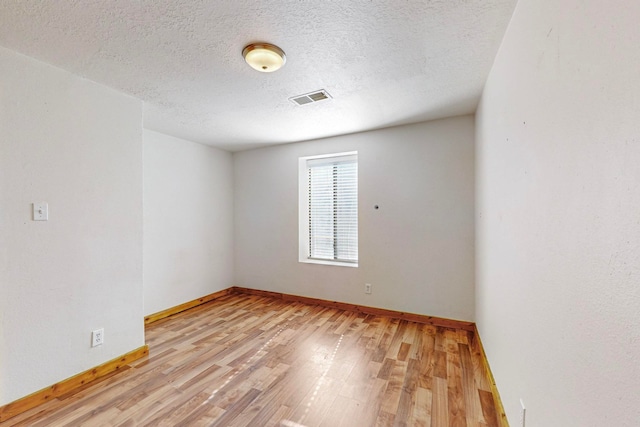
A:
(41, 211)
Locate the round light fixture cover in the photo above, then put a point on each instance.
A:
(264, 57)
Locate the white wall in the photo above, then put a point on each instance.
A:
(558, 214)
(188, 221)
(78, 146)
(417, 250)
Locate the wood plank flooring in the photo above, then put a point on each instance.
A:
(247, 360)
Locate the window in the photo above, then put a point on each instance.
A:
(329, 209)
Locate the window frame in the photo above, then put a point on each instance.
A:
(303, 211)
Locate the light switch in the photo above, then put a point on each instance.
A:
(41, 211)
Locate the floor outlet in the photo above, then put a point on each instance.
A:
(523, 413)
(97, 337)
(367, 288)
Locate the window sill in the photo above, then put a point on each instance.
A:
(328, 262)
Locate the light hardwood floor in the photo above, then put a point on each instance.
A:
(247, 360)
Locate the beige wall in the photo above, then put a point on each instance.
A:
(558, 191)
(78, 146)
(417, 250)
(188, 221)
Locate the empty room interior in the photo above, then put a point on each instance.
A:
(291, 213)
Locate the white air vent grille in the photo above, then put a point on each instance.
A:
(309, 98)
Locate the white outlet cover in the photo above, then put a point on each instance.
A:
(97, 337)
(41, 211)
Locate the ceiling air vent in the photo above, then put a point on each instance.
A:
(308, 98)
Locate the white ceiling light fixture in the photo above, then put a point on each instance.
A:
(264, 57)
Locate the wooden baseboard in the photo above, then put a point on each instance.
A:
(419, 318)
(186, 306)
(66, 386)
(494, 389)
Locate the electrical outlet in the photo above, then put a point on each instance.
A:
(367, 288)
(97, 337)
(523, 413)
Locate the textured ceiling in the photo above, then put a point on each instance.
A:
(384, 62)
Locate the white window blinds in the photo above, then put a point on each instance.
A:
(333, 208)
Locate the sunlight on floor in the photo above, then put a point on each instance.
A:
(329, 363)
(258, 355)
